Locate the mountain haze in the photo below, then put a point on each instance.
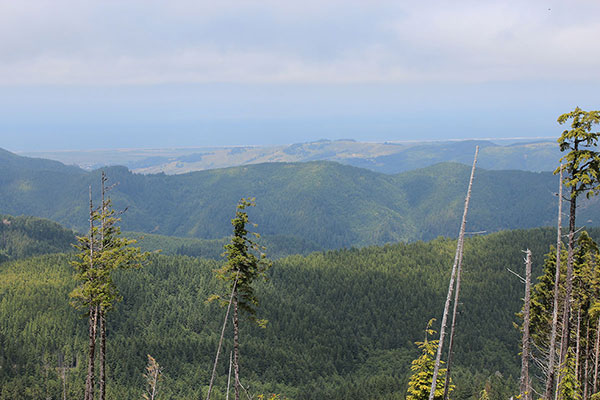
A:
(388, 157)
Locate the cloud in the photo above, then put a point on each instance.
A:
(154, 42)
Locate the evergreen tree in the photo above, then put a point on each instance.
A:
(582, 164)
(245, 263)
(101, 253)
(419, 384)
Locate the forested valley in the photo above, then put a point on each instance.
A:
(342, 324)
(329, 320)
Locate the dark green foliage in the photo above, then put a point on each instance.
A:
(245, 261)
(276, 245)
(22, 237)
(327, 204)
(586, 293)
(341, 324)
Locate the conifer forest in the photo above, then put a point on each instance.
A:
(303, 281)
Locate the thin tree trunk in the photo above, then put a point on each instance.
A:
(586, 377)
(102, 382)
(596, 357)
(154, 383)
(229, 377)
(569, 279)
(102, 391)
(64, 381)
(552, 350)
(236, 350)
(214, 371)
(565, 338)
(577, 344)
(453, 325)
(89, 383)
(525, 389)
(92, 317)
(461, 236)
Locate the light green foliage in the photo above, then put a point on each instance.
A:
(484, 395)
(583, 160)
(419, 384)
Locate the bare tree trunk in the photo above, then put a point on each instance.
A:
(229, 377)
(586, 377)
(214, 371)
(236, 350)
(89, 383)
(154, 383)
(102, 391)
(596, 357)
(461, 236)
(552, 350)
(577, 344)
(64, 381)
(102, 315)
(525, 389)
(453, 326)
(564, 345)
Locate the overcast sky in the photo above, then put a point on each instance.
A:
(106, 74)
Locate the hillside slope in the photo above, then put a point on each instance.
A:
(22, 237)
(325, 203)
(341, 323)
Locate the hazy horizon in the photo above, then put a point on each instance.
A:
(80, 76)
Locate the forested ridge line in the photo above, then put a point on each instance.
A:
(342, 324)
(328, 204)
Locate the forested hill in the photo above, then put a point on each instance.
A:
(342, 324)
(22, 237)
(328, 204)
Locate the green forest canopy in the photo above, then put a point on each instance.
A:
(323, 205)
(342, 324)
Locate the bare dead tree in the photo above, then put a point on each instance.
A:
(453, 325)
(229, 376)
(585, 372)
(457, 258)
(578, 342)
(152, 375)
(597, 356)
(214, 371)
(525, 383)
(552, 348)
(101, 311)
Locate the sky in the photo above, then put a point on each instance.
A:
(144, 74)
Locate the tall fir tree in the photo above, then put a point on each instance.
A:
(246, 262)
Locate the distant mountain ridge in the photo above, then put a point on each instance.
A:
(325, 203)
(388, 157)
